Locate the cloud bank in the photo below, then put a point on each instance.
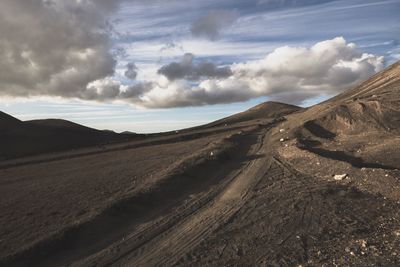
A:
(65, 52)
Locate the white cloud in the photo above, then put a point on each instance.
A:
(327, 67)
(289, 74)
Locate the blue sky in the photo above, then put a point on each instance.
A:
(245, 37)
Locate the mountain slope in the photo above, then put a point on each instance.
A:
(262, 111)
(359, 128)
(373, 105)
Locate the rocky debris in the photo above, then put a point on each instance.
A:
(397, 233)
(340, 177)
(282, 130)
(282, 140)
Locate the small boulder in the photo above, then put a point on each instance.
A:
(340, 177)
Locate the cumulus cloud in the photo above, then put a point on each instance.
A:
(288, 74)
(65, 52)
(327, 67)
(187, 69)
(55, 47)
(211, 25)
(131, 71)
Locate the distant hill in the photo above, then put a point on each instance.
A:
(19, 139)
(8, 121)
(264, 110)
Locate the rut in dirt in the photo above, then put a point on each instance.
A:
(118, 221)
(168, 248)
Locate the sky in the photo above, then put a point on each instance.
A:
(151, 66)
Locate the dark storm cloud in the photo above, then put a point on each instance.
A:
(211, 25)
(188, 69)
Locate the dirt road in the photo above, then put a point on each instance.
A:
(174, 243)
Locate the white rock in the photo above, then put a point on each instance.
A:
(211, 153)
(339, 177)
(282, 140)
(281, 130)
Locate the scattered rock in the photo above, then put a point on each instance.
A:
(281, 140)
(211, 153)
(397, 233)
(282, 130)
(340, 177)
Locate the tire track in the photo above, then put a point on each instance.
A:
(168, 248)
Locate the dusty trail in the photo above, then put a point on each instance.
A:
(165, 240)
(171, 246)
